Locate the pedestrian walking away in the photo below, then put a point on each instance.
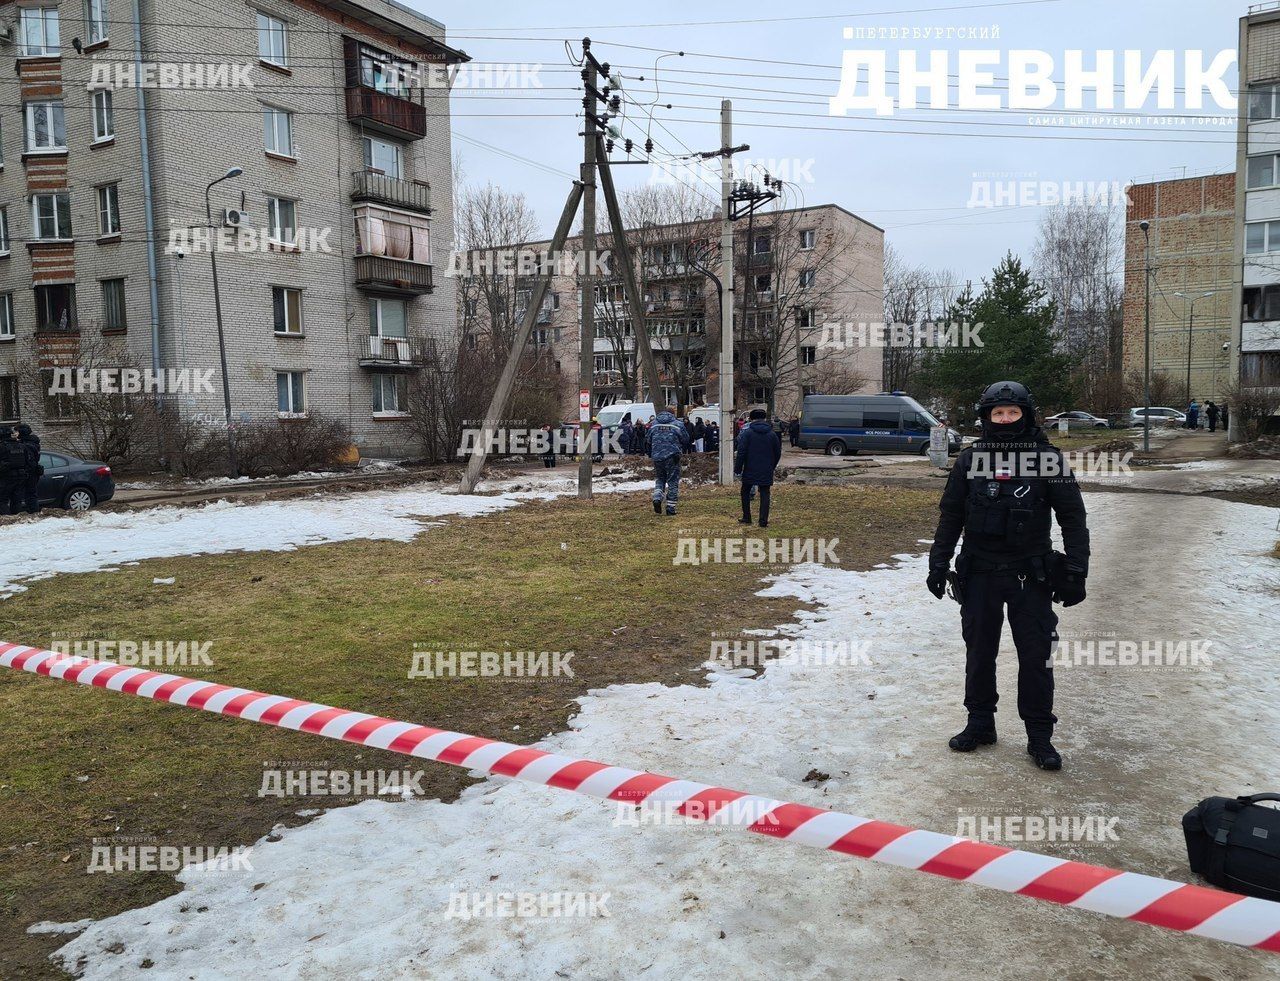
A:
(1002, 495)
(793, 432)
(667, 439)
(758, 452)
(31, 489)
(1193, 415)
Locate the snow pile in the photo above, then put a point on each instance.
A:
(366, 891)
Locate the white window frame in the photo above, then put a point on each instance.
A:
(43, 21)
(4, 230)
(104, 116)
(367, 143)
(397, 382)
(271, 123)
(1272, 91)
(95, 17)
(269, 30)
(373, 237)
(55, 110)
(808, 354)
(807, 278)
(375, 317)
(7, 330)
(1275, 171)
(297, 329)
(808, 239)
(35, 216)
(296, 385)
(275, 226)
(1270, 237)
(108, 210)
(808, 318)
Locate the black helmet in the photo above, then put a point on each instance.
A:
(1007, 393)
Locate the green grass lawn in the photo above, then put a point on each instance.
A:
(338, 624)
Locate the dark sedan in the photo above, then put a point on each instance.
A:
(71, 483)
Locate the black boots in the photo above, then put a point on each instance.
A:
(1045, 756)
(979, 732)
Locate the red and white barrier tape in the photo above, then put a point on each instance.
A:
(1204, 912)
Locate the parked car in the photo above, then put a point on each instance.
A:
(1160, 415)
(888, 423)
(1076, 419)
(72, 483)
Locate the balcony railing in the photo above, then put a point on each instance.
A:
(386, 113)
(396, 353)
(384, 189)
(393, 275)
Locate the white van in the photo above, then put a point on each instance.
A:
(707, 413)
(611, 416)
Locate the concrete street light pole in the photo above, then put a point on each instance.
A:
(232, 463)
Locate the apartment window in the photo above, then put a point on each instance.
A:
(1262, 102)
(51, 215)
(287, 306)
(388, 318)
(39, 31)
(378, 70)
(762, 245)
(9, 408)
(114, 316)
(763, 283)
(96, 18)
(46, 126)
(807, 278)
(104, 122)
(808, 354)
(760, 393)
(108, 210)
(1261, 236)
(277, 126)
(56, 307)
(291, 393)
(282, 214)
(383, 155)
(395, 234)
(7, 332)
(273, 40)
(4, 231)
(390, 395)
(471, 307)
(1261, 303)
(807, 318)
(1262, 171)
(808, 238)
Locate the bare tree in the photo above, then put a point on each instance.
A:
(913, 295)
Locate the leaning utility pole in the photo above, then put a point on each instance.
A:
(727, 435)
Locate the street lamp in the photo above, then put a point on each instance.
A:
(1190, 322)
(1146, 362)
(233, 465)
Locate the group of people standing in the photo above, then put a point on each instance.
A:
(704, 437)
(20, 470)
(1212, 414)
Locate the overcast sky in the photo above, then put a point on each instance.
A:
(912, 173)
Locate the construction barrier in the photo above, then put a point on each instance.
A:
(1191, 909)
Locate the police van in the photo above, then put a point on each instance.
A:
(891, 422)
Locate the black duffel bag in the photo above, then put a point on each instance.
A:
(1234, 843)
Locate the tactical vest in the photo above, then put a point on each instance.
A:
(1007, 518)
(13, 459)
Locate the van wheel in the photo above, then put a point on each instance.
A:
(79, 499)
(837, 448)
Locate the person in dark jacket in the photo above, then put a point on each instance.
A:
(1211, 413)
(667, 440)
(626, 433)
(637, 438)
(1003, 494)
(699, 436)
(549, 455)
(713, 437)
(793, 432)
(1226, 415)
(13, 472)
(31, 490)
(758, 452)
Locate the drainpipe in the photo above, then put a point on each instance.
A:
(147, 203)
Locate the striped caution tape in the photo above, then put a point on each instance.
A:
(1191, 909)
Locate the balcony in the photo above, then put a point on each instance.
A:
(395, 353)
(369, 185)
(396, 276)
(386, 113)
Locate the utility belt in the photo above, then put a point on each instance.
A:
(1041, 568)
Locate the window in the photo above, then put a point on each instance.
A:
(9, 409)
(390, 394)
(379, 70)
(808, 238)
(277, 127)
(4, 231)
(56, 308)
(1261, 171)
(808, 354)
(395, 234)
(104, 123)
(291, 397)
(382, 155)
(1262, 102)
(39, 30)
(113, 309)
(807, 318)
(388, 318)
(51, 215)
(59, 406)
(762, 245)
(96, 18)
(283, 218)
(6, 317)
(108, 210)
(1261, 236)
(1261, 303)
(273, 40)
(873, 418)
(287, 305)
(760, 393)
(46, 126)
(760, 359)
(807, 278)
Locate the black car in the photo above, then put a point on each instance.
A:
(71, 483)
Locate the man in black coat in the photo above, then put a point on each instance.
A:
(13, 472)
(31, 489)
(758, 452)
(793, 432)
(1003, 494)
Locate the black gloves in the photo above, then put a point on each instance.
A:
(1068, 589)
(937, 580)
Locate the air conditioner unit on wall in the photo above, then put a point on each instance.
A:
(232, 218)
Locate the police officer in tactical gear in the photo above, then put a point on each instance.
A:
(31, 486)
(1002, 494)
(13, 472)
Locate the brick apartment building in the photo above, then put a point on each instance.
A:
(796, 270)
(337, 147)
(1192, 231)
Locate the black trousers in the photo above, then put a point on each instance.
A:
(32, 494)
(1034, 627)
(764, 501)
(13, 495)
